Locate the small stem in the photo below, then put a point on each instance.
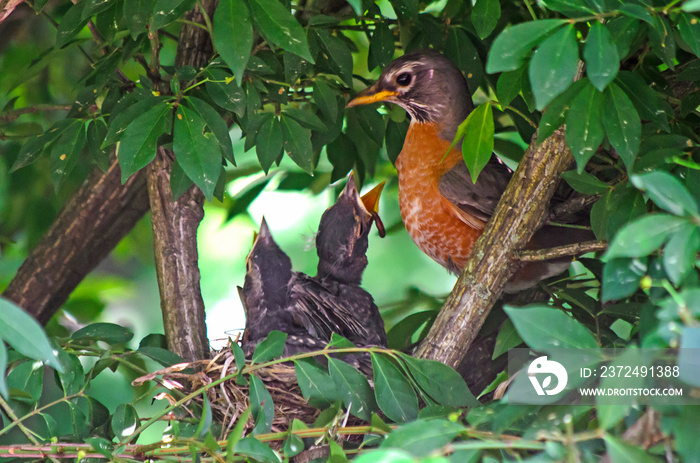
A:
(561, 251)
(207, 20)
(15, 113)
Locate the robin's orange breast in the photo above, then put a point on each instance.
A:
(430, 219)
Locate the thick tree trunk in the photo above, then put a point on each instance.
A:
(86, 230)
(520, 212)
(175, 225)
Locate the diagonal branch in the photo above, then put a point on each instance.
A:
(520, 212)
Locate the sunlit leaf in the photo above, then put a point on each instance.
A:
(643, 236)
(477, 145)
(543, 327)
(394, 394)
(512, 46)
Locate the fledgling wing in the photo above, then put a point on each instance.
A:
(474, 203)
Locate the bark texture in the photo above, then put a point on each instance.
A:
(86, 230)
(175, 225)
(520, 212)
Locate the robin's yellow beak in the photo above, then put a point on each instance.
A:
(371, 198)
(372, 95)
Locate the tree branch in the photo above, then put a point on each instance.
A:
(175, 223)
(86, 230)
(520, 211)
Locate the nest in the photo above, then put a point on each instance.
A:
(229, 400)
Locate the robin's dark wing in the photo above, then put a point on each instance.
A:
(478, 200)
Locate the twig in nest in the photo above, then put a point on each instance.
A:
(561, 251)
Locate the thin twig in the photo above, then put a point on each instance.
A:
(15, 113)
(561, 251)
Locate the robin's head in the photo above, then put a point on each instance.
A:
(427, 85)
(343, 234)
(268, 271)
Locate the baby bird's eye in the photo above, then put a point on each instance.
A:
(404, 79)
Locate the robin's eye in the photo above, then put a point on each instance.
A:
(404, 79)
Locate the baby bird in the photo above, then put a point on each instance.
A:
(311, 309)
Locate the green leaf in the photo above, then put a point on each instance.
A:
(31, 150)
(509, 85)
(306, 118)
(65, 153)
(316, 385)
(394, 394)
(96, 132)
(3, 369)
(554, 65)
(261, 406)
(272, 347)
(325, 99)
(422, 437)
(71, 23)
(507, 339)
(235, 435)
(643, 236)
(106, 332)
(624, 33)
(621, 277)
(443, 384)
(636, 11)
(584, 129)
(73, 377)
(381, 47)
(197, 149)
(511, 47)
(600, 55)
(667, 192)
(101, 446)
(460, 49)
(205, 420)
(225, 92)
(622, 452)
(353, 388)
(680, 252)
(161, 355)
(297, 143)
(555, 114)
(167, 11)
(253, 448)
(585, 183)
(233, 35)
(477, 145)
(662, 42)
(485, 15)
(384, 456)
(337, 55)
(21, 331)
(278, 27)
(139, 141)
(28, 379)
(622, 124)
(124, 113)
(137, 14)
(691, 6)
(125, 421)
(269, 143)
(217, 124)
(644, 98)
(543, 327)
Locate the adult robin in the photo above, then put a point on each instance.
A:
(442, 209)
(311, 309)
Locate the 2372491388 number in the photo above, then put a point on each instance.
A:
(655, 371)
